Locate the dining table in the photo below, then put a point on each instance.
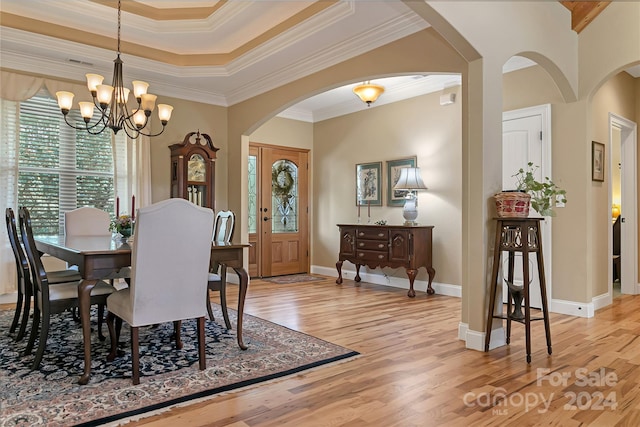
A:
(105, 258)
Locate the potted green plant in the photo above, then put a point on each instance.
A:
(543, 194)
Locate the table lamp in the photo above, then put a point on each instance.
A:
(411, 181)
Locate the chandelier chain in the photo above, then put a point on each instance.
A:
(119, 14)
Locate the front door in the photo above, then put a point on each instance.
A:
(280, 229)
(524, 141)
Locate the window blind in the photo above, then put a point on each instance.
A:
(60, 168)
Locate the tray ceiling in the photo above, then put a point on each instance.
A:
(219, 52)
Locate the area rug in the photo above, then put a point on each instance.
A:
(51, 396)
(293, 278)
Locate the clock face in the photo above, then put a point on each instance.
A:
(196, 168)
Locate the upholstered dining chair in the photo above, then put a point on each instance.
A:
(217, 281)
(87, 221)
(168, 272)
(90, 221)
(52, 299)
(25, 286)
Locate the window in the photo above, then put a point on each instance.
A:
(59, 168)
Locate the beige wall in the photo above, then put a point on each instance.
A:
(616, 96)
(415, 127)
(529, 87)
(285, 132)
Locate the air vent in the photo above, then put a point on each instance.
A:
(79, 62)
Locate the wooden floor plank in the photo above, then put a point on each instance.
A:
(413, 370)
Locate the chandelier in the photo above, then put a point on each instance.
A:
(111, 103)
(368, 92)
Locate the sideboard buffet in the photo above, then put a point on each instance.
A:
(387, 246)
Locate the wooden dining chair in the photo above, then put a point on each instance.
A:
(50, 299)
(23, 276)
(168, 272)
(217, 280)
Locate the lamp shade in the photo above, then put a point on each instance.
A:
(410, 179)
(368, 92)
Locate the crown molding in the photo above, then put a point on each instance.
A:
(392, 30)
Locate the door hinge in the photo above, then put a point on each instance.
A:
(540, 135)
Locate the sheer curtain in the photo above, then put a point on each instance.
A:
(8, 186)
(132, 158)
(132, 171)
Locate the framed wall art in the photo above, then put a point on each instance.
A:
(396, 197)
(597, 161)
(368, 184)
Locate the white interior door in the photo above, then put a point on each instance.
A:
(628, 178)
(526, 138)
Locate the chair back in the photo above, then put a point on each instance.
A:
(170, 262)
(224, 225)
(87, 221)
(38, 273)
(22, 266)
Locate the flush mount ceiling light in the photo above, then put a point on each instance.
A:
(368, 92)
(113, 110)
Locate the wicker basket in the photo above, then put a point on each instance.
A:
(513, 204)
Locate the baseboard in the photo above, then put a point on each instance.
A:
(602, 301)
(572, 308)
(9, 298)
(380, 278)
(474, 340)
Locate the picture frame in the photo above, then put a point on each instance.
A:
(597, 161)
(369, 184)
(396, 197)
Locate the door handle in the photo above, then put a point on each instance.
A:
(266, 218)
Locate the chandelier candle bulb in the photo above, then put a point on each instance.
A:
(119, 96)
(139, 88)
(164, 113)
(86, 110)
(93, 81)
(139, 117)
(104, 94)
(65, 100)
(148, 102)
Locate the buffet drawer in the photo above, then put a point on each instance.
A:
(372, 234)
(376, 256)
(375, 245)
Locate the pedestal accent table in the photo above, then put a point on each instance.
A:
(518, 235)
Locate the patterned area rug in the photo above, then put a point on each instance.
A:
(51, 396)
(293, 278)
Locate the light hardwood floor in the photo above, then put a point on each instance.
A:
(413, 371)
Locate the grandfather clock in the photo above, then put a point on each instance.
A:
(193, 169)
